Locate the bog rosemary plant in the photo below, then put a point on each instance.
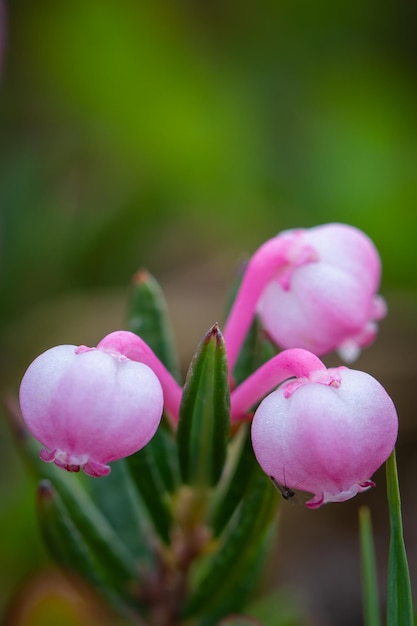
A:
(194, 470)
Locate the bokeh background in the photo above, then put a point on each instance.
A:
(178, 135)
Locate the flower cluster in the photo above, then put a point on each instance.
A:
(325, 431)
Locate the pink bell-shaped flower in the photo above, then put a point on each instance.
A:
(313, 289)
(328, 302)
(89, 407)
(326, 434)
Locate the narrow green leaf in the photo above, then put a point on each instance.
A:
(205, 414)
(96, 530)
(117, 498)
(67, 546)
(232, 493)
(399, 600)
(244, 585)
(145, 468)
(61, 536)
(369, 574)
(147, 317)
(164, 449)
(98, 534)
(238, 551)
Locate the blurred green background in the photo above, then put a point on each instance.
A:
(178, 136)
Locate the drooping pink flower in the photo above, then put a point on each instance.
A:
(313, 289)
(91, 406)
(326, 434)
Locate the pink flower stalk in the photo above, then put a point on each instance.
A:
(313, 289)
(91, 406)
(134, 348)
(325, 432)
(292, 363)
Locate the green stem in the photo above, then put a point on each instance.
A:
(399, 601)
(369, 575)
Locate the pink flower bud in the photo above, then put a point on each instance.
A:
(329, 303)
(324, 435)
(90, 406)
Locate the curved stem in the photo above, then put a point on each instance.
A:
(294, 362)
(275, 258)
(134, 348)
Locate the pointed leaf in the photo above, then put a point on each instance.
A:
(399, 600)
(165, 451)
(238, 551)
(205, 413)
(147, 317)
(98, 534)
(369, 573)
(245, 582)
(67, 544)
(152, 478)
(118, 500)
(63, 539)
(233, 492)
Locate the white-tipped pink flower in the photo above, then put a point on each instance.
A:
(326, 433)
(313, 289)
(91, 406)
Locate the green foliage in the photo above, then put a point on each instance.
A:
(204, 414)
(63, 539)
(154, 469)
(369, 575)
(192, 508)
(159, 131)
(149, 480)
(147, 316)
(399, 600)
(115, 495)
(125, 532)
(231, 491)
(78, 531)
(237, 554)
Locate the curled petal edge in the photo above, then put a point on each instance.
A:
(66, 462)
(322, 498)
